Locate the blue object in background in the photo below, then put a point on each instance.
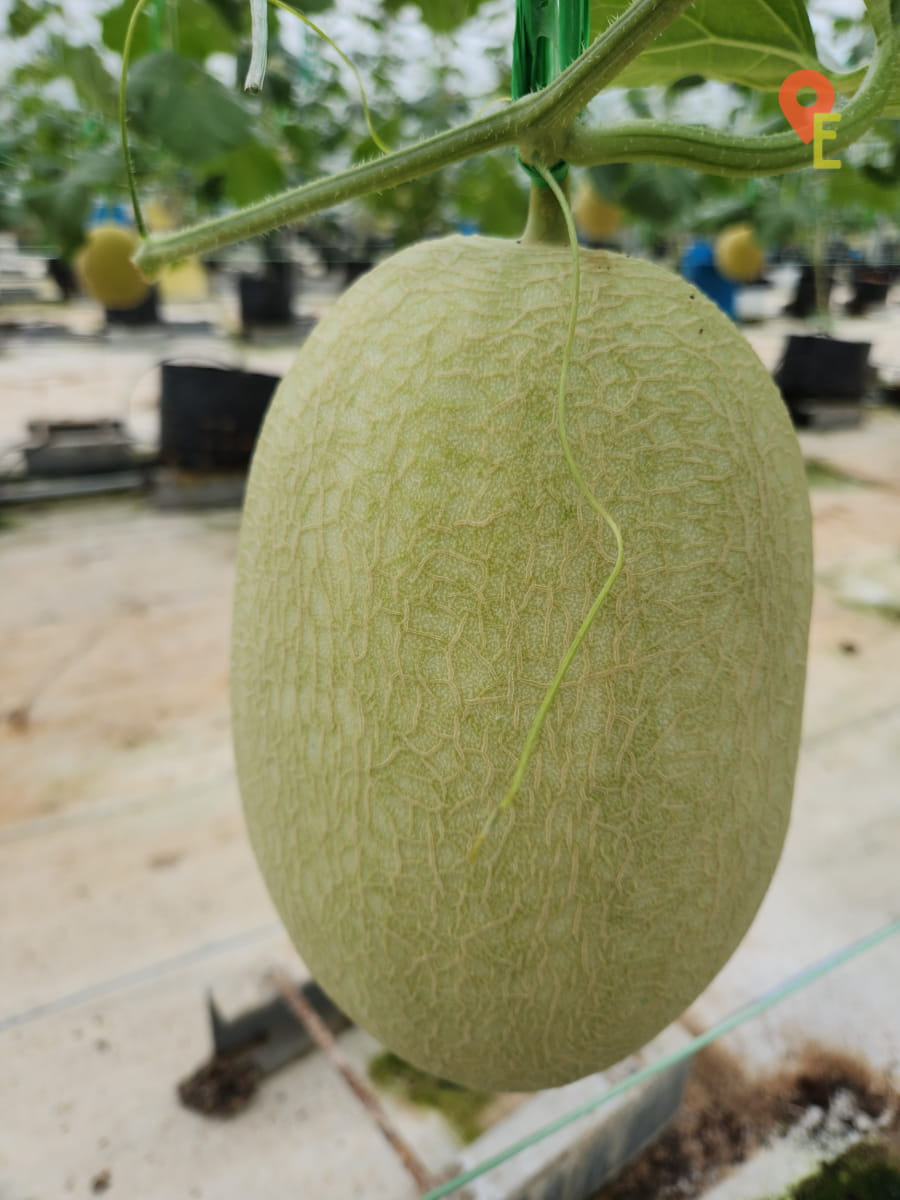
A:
(698, 266)
(103, 213)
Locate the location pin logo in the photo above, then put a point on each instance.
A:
(802, 116)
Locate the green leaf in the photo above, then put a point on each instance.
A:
(491, 191)
(23, 17)
(248, 174)
(176, 103)
(892, 109)
(64, 204)
(753, 42)
(311, 7)
(95, 87)
(659, 195)
(638, 104)
(442, 16)
(198, 31)
(850, 189)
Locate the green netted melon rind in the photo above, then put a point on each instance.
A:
(415, 558)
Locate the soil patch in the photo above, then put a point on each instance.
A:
(727, 1114)
(223, 1087)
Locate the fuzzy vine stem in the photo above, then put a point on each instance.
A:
(537, 121)
(720, 153)
(123, 119)
(544, 126)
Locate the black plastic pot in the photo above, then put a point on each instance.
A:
(266, 299)
(63, 275)
(354, 268)
(210, 416)
(805, 300)
(823, 369)
(145, 313)
(871, 286)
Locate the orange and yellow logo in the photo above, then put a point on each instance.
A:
(810, 121)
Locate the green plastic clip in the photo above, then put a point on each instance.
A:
(549, 36)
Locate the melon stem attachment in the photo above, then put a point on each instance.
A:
(550, 695)
(546, 224)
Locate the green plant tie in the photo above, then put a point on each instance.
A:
(549, 36)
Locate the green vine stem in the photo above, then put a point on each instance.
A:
(537, 122)
(123, 120)
(544, 127)
(720, 153)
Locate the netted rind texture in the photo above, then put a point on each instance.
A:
(415, 559)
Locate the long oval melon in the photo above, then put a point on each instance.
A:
(416, 558)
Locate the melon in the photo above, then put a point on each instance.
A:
(415, 559)
(105, 268)
(185, 282)
(738, 255)
(596, 218)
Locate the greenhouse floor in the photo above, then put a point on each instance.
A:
(126, 881)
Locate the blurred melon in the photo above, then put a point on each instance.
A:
(738, 255)
(597, 219)
(105, 270)
(157, 217)
(184, 281)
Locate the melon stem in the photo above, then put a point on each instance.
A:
(546, 224)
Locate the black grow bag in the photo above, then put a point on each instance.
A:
(871, 286)
(805, 299)
(823, 369)
(266, 299)
(145, 313)
(210, 416)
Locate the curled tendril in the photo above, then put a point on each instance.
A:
(550, 695)
(253, 82)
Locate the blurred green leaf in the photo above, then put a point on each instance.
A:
(491, 191)
(248, 174)
(63, 205)
(94, 86)
(755, 42)
(850, 189)
(686, 84)
(638, 104)
(893, 105)
(198, 30)
(442, 16)
(173, 101)
(23, 17)
(662, 196)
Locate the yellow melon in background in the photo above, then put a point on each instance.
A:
(738, 254)
(595, 218)
(105, 269)
(157, 217)
(185, 282)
